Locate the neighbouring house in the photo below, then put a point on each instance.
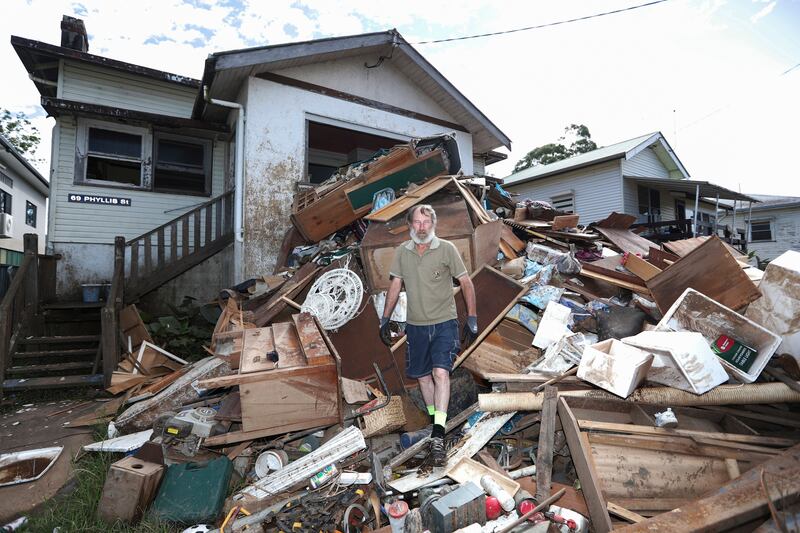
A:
(772, 226)
(641, 176)
(23, 204)
(198, 176)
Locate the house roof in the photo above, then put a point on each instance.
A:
(10, 156)
(690, 187)
(622, 150)
(768, 202)
(41, 61)
(225, 71)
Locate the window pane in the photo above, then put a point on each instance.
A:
(761, 231)
(30, 214)
(115, 142)
(5, 202)
(127, 172)
(180, 153)
(180, 181)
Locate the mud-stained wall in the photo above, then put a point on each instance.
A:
(93, 263)
(275, 157)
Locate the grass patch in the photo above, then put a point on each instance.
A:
(77, 510)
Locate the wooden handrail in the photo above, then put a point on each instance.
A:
(19, 304)
(109, 315)
(185, 241)
(186, 215)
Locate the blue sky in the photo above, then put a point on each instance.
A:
(711, 75)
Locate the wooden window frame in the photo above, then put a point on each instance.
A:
(84, 125)
(769, 221)
(557, 198)
(208, 148)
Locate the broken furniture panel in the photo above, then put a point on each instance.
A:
(779, 309)
(660, 258)
(684, 247)
(507, 349)
(267, 312)
(694, 311)
(640, 267)
(646, 469)
(412, 197)
(290, 396)
(610, 267)
(710, 269)
(380, 240)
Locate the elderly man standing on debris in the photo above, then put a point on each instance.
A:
(426, 265)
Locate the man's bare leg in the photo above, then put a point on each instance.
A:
(441, 397)
(427, 387)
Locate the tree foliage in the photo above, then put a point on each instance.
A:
(19, 131)
(550, 153)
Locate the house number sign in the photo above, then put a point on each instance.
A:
(95, 199)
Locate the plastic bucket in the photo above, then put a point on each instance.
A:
(91, 292)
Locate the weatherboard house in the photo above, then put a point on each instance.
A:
(642, 177)
(198, 176)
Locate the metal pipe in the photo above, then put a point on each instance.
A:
(754, 393)
(696, 207)
(238, 194)
(735, 203)
(749, 222)
(716, 214)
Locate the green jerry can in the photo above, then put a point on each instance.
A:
(192, 493)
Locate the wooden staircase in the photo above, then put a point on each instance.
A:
(47, 345)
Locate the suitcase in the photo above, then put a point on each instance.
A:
(193, 493)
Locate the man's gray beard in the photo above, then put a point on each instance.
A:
(426, 240)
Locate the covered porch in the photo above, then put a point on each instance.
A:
(672, 209)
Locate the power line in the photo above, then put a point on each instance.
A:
(596, 15)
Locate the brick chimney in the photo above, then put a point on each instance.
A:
(73, 34)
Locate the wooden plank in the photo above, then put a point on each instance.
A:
(743, 500)
(608, 267)
(565, 221)
(311, 341)
(640, 267)
(473, 202)
(218, 221)
(240, 436)
(287, 344)
(651, 505)
(266, 312)
(185, 236)
(507, 349)
(511, 240)
(617, 221)
(544, 453)
(173, 242)
(614, 281)
(485, 243)
(626, 240)
(581, 457)
(660, 258)
(148, 256)
(625, 514)
(676, 445)
(134, 271)
(684, 247)
(208, 212)
(591, 425)
(709, 269)
(743, 413)
(197, 232)
(257, 345)
(160, 247)
(410, 199)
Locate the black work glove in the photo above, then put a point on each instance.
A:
(470, 331)
(386, 334)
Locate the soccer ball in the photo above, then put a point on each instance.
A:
(199, 528)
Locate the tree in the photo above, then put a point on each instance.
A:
(550, 153)
(19, 131)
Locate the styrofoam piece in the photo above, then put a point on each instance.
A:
(681, 359)
(778, 309)
(614, 366)
(123, 444)
(553, 325)
(695, 311)
(346, 443)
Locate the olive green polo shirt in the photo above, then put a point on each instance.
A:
(428, 280)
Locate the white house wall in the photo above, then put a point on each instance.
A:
(645, 164)
(275, 158)
(22, 192)
(785, 229)
(384, 83)
(97, 85)
(597, 190)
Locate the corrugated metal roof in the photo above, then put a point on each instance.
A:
(225, 71)
(606, 153)
(768, 201)
(690, 187)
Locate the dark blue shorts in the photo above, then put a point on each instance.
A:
(430, 347)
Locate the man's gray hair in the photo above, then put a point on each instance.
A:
(425, 209)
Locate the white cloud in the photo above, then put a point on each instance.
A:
(621, 75)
